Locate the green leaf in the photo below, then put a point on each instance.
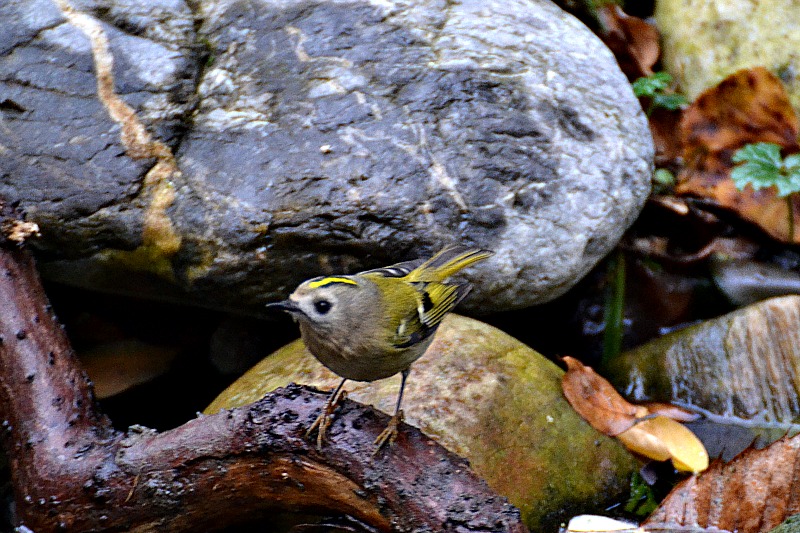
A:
(756, 174)
(792, 162)
(669, 101)
(767, 153)
(791, 170)
(786, 185)
(654, 87)
(763, 167)
(651, 85)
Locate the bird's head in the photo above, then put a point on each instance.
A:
(323, 302)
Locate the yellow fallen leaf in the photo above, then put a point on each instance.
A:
(661, 438)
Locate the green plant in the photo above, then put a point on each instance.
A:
(762, 167)
(655, 88)
(614, 316)
(663, 180)
(642, 501)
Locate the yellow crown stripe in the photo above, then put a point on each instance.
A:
(328, 281)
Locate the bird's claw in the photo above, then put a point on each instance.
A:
(325, 418)
(389, 434)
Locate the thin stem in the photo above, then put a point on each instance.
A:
(615, 308)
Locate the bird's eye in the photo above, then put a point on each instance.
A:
(322, 306)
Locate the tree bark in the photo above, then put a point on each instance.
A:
(72, 471)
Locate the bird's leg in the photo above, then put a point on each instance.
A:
(324, 419)
(390, 433)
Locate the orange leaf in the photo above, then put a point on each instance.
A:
(596, 400)
(747, 107)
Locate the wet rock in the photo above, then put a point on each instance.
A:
(68, 153)
(491, 399)
(290, 139)
(745, 282)
(704, 42)
(742, 365)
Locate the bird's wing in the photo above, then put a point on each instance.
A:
(434, 301)
(398, 270)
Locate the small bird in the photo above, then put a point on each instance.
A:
(375, 324)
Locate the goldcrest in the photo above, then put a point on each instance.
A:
(375, 324)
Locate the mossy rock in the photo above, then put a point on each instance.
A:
(704, 42)
(488, 397)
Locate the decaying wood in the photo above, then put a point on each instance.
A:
(73, 472)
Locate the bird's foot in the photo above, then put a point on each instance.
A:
(325, 418)
(389, 434)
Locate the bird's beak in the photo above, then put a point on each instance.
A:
(286, 305)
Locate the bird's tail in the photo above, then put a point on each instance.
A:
(447, 262)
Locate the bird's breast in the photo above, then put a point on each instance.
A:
(355, 359)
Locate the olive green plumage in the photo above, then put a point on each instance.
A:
(375, 324)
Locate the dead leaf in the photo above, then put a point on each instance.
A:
(19, 231)
(596, 400)
(663, 125)
(661, 438)
(634, 42)
(747, 107)
(600, 524)
(753, 493)
(118, 366)
(671, 411)
(658, 247)
(656, 437)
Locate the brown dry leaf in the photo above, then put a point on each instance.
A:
(634, 42)
(18, 230)
(753, 493)
(663, 125)
(731, 248)
(656, 437)
(671, 411)
(661, 438)
(747, 107)
(596, 400)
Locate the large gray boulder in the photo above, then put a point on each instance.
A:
(289, 139)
